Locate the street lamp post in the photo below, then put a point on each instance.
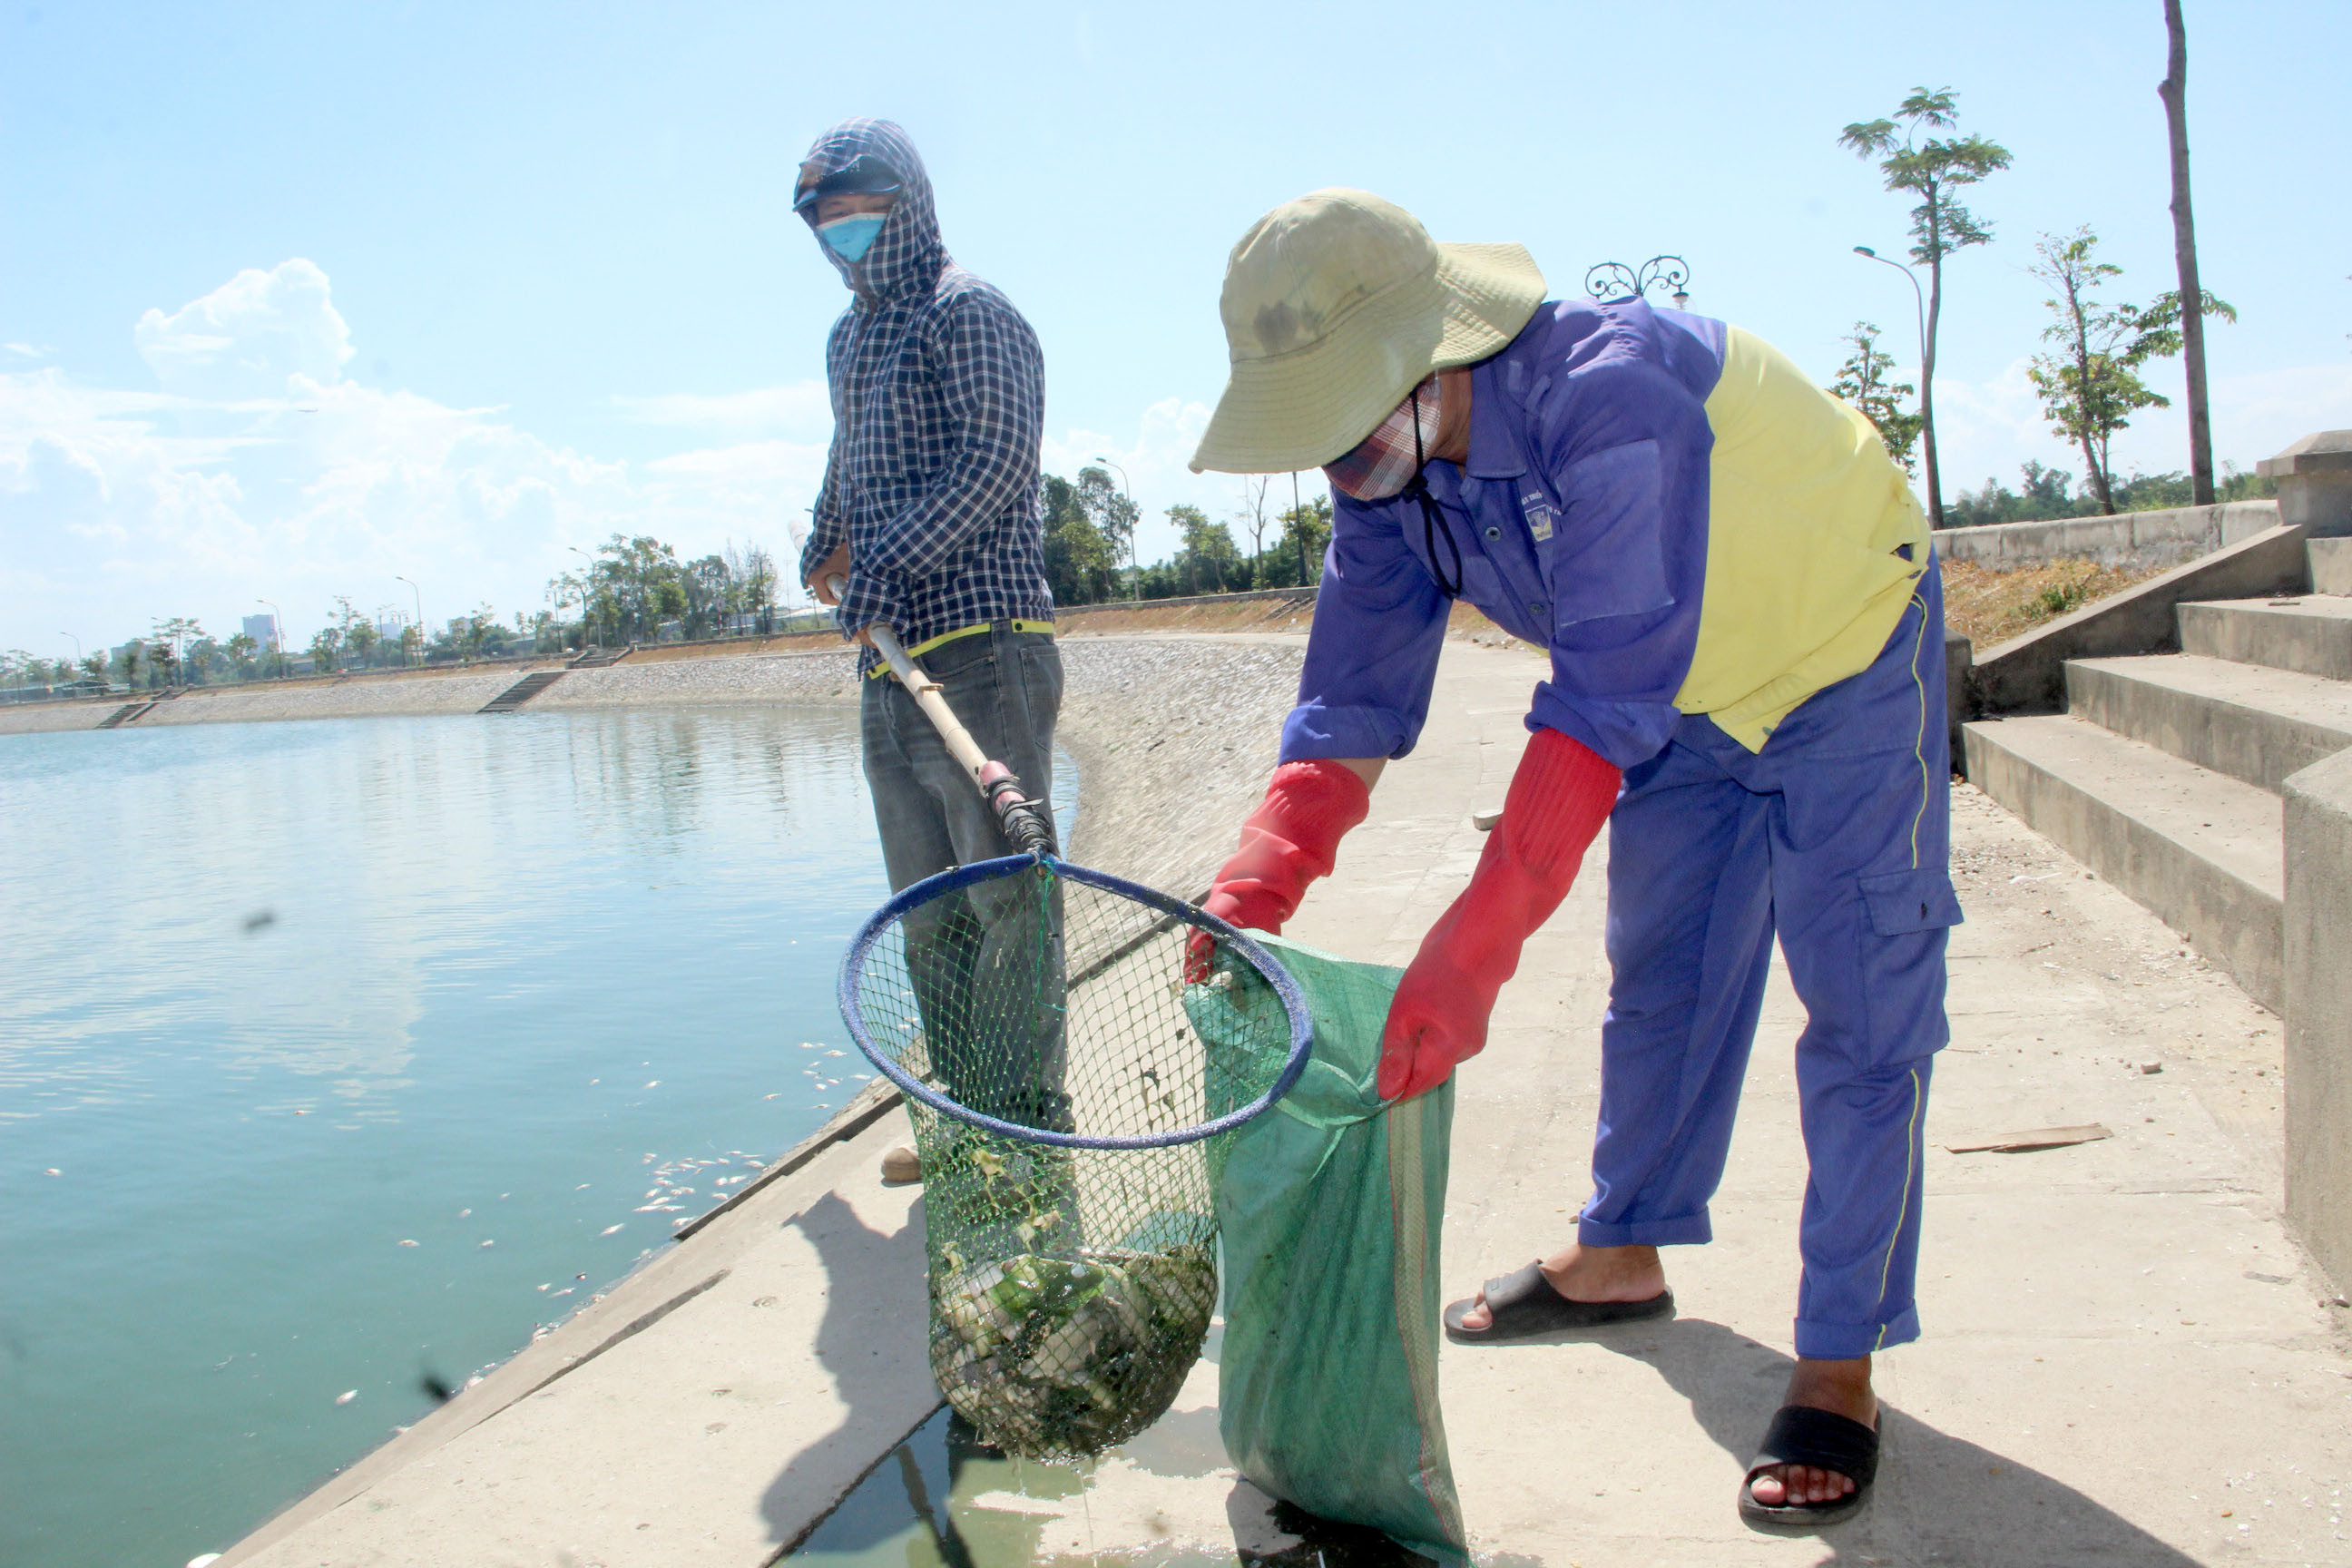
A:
(420, 614)
(276, 635)
(1926, 385)
(1612, 280)
(1129, 491)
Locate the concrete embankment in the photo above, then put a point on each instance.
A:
(715, 1403)
(2085, 1305)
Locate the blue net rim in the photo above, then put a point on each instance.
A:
(1294, 1001)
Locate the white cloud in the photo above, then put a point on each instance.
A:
(260, 471)
(248, 336)
(801, 410)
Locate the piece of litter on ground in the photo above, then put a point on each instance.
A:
(347, 1396)
(1484, 821)
(2038, 1138)
(2152, 1067)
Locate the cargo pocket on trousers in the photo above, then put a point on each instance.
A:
(1902, 961)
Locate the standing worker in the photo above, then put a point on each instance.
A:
(930, 516)
(1746, 630)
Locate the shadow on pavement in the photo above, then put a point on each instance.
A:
(1938, 1496)
(874, 1293)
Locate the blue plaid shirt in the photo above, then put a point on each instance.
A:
(939, 409)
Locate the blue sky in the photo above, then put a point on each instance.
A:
(532, 267)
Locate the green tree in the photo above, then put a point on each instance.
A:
(635, 583)
(1080, 564)
(756, 581)
(1861, 381)
(1112, 511)
(710, 587)
(1205, 547)
(1933, 168)
(325, 644)
(355, 632)
(2091, 387)
(1306, 533)
(241, 649)
(167, 645)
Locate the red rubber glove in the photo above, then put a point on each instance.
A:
(1289, 840)
(1559, 796)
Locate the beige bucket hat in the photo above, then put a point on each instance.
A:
(1335, 306)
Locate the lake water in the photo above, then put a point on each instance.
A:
(336, 1058)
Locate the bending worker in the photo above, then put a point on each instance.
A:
(1746, 633)
(930, 516)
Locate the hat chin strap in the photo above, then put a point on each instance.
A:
(1433, 521)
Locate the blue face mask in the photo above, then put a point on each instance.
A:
(851, 236)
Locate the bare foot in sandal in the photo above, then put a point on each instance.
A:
(1841, 1388)
(1594, 1274)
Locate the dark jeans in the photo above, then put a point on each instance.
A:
(986, 962)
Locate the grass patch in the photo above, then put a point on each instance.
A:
(1989, 608)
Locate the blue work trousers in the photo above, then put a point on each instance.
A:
(1836, 837)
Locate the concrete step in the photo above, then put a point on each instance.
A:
(2254, 723)
(2312, 633)
(2199, 849)
(522, 691)
(2331, 566)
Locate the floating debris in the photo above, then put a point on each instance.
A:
(406, 1242)
(489, 1244)
(347, 1396)
(607, 1231)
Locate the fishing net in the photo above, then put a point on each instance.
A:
(1072, 1122)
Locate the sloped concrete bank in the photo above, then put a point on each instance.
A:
(772, 1352)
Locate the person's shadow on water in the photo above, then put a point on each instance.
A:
(1938, 1496)
(870, 1341)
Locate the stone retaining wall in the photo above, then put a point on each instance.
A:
(2128, 539)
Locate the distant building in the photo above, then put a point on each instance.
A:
(263, 630)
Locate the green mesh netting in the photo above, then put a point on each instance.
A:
(1065, 1109)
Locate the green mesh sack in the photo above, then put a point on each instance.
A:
(1331, 1206)
(1070, 1118)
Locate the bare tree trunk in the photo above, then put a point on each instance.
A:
(1927, 361)
(1927, 396)
(2174, 91)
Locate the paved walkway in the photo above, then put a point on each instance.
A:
(2126, 1360)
